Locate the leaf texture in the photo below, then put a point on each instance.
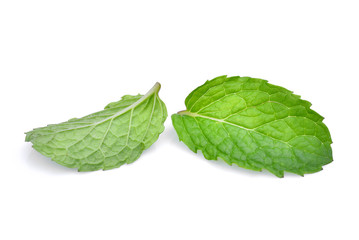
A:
(255, 125)
(106, 139)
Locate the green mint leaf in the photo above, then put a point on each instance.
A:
(105, 139)
(254, 124)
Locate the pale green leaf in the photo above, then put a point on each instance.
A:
(106, 139)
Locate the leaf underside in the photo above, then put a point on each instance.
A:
(106, 139)
(255, 125)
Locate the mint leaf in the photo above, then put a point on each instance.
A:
(254, 124)
(105, 139)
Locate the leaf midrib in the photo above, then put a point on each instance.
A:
(154, 89)
(191, 114)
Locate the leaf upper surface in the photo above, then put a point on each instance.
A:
(106, 139)
(254, 124)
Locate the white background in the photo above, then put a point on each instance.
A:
(64, 59)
